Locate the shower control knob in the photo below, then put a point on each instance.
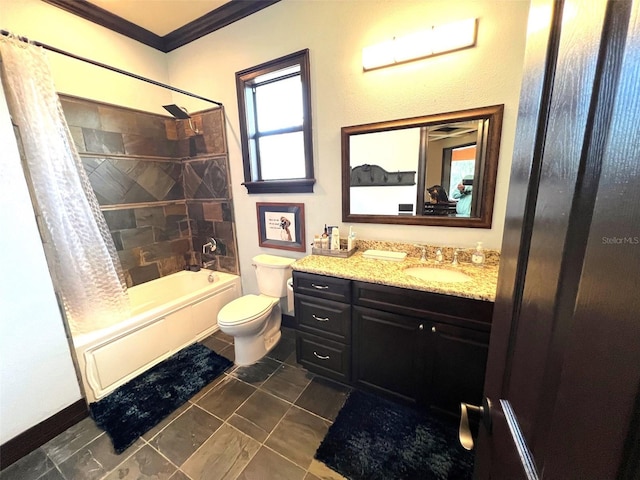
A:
(421, 327)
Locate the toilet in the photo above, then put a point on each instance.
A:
(254, 320)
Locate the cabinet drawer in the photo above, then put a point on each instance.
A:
(331, 288)
(324, 317)
(323, 356)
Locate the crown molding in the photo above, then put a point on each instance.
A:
(222, 16)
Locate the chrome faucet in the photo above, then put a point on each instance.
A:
(210, 246)
(423, 258)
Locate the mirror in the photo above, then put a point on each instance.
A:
(434, 170)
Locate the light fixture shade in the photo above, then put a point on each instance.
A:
(378, 55)
(433, 41)
(454, 36)
(414, 45)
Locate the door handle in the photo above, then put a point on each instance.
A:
(320, 319)
(319, 287)
(464, 433)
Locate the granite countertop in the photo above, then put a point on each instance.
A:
(482, 285)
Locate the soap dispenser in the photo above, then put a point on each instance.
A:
(477, 258)
(351, 239)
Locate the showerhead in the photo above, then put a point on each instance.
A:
(178, 112)
(181, 114)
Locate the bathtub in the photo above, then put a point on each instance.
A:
(168, 314)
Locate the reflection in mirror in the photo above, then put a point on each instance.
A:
(432, 170)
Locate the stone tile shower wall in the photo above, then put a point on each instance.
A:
(162, 188)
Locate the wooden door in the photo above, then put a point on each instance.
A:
(563, 373)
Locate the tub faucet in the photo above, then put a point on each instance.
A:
(210, 246)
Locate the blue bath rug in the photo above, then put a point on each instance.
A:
(140, 404)
(376, 439)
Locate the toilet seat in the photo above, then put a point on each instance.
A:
(244, 309)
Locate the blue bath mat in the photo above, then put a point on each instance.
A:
(375, 439)
(140, 404)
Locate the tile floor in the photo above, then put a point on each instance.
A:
(261, 422)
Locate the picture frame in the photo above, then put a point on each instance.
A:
(281, 225)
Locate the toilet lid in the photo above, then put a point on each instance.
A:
(244, 309)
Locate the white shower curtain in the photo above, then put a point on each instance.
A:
(80, 251)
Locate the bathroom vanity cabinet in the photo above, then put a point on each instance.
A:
(419, 347)
(323, 319)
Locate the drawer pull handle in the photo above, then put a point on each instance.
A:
(319, 287)
(320, 319)
(321, 357)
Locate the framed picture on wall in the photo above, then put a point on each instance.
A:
(281, 225)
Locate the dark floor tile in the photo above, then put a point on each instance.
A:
(71, 440)
(263, 411)
(225, 397)
(247, 427)
(298, 436)
(283, 349)
(223, 456)
(287, 382)
(293, 361)
(267, 460)
(28, 467)
(208, 388)
(220, 335)
(95, 459)
(319, 471)
(186, 434)
(323, 397)
(229, 352)
(159, 427)
(146, 463)
(214, 343)
(258, 373)
(179, 475)
(53, 474)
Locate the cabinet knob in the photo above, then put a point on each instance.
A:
(433, 329)
(421, 327)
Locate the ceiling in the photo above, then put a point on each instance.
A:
(163, 24)
(159, 17)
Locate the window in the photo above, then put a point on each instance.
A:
(274, 103)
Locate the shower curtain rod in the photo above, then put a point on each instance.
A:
(108, 67)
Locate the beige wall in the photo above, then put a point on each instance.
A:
(342, 94)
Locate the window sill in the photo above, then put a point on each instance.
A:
(300, 185)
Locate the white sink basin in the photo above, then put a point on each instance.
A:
(437, 274)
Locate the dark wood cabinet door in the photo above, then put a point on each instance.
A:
(388, 353)
(457, 358)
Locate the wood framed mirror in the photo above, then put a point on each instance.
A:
(390, 169)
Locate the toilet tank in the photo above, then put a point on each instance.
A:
(273, 272)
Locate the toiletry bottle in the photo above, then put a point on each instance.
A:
(351, 239)
(335, 238)
(439, 256)
(325, 239)
(477, 258)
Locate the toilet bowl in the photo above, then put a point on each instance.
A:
(254, 320)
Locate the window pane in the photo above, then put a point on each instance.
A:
(282, 156)
(279, 104)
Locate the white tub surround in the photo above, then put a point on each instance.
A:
(168, 314)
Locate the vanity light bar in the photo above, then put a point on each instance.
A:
(426, 43)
